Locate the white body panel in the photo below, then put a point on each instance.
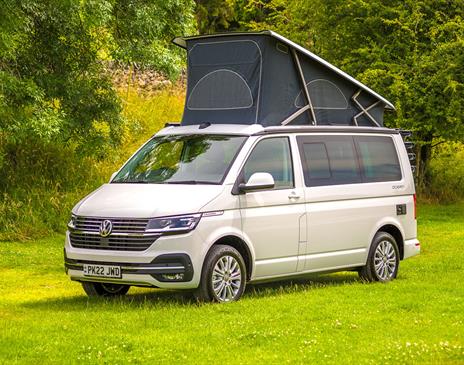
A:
(286, 231)
(146, 200)
(271, 220)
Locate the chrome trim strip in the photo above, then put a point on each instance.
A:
(115, 235)
(128, 268)
(333, 253)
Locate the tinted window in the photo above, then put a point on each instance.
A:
(317, 160)
(329, 160)
(378, 158)
(271, 155)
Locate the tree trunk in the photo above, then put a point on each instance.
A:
(423, 157)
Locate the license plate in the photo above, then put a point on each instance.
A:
(106, 271)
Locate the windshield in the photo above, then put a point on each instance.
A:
(182, 159)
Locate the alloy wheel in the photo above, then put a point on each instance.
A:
(226, 278)
(385, 260)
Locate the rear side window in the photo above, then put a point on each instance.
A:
(378, 157)
(317, 159)
(329, 160)
(271, 155)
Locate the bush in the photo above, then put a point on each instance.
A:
(40, 182)
(447, 173)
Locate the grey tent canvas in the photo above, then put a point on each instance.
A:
(264, 78)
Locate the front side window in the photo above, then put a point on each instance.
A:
(178, 159)
(271, 155)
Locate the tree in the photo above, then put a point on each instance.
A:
(215, 16)
(410, 51)
(142, 31)
(53, 84)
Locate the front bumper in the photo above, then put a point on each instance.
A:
(166, 264)
(174, 268)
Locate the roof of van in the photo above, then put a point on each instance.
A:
(265, 78)
(256, 129)
(182, 42)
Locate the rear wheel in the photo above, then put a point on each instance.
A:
(223, 277)
(104, 289)
(383, 260)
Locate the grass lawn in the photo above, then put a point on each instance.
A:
(418, 318)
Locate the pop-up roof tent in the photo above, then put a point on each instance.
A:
(264, 78)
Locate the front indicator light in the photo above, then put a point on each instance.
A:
(72, 222)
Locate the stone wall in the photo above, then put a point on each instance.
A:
(144, 81)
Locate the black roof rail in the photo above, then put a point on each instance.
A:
(404, 133)
(171, 124)
(204, 125)
(409, 145)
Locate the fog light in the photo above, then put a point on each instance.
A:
(173, 277)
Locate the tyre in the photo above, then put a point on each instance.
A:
(383, 260)
(104, 289)
(223, 277)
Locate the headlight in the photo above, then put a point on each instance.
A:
(72, 222)
(177, 224)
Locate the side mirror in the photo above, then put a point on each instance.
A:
(257, 181)
(113, 175)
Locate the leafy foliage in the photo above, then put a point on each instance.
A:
(215, 16)
(60, 114)
(42, 181)
(143, 29)
(59, 111)
(447, 173)
(54, 86)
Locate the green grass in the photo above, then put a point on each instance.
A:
(418, 318)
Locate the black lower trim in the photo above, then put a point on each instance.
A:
(174, 260)
(170, 264)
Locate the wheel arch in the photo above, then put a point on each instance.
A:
(397, 235)
(241, 246)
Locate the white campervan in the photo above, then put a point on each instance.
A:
(213, 208)
(280, 167)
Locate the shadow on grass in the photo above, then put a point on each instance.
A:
(163, 297)
(299, 284)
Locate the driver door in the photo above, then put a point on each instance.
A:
(271, 219)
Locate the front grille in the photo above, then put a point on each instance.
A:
(127, 234)
(120, 225)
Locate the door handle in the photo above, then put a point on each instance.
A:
(293, 195)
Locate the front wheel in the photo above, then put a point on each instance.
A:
(223, 277)
(383, 260)
(104, 289)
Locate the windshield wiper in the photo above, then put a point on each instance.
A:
(130, 182)
(191, 182)
(180, 182)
